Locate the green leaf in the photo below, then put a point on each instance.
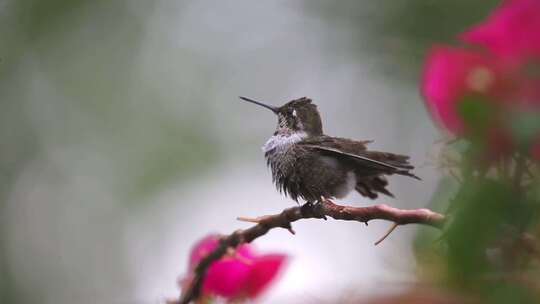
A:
(525, 127)
(483, 207)
(476, 111)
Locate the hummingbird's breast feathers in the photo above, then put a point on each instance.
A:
(282, 141)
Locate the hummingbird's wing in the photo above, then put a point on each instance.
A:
(366, 162)
(370, 167)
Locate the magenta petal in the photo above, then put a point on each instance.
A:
(511, 31)
(238, 275)
(449, 75)
(442, 86)
(227, 278)
(202, 248)
(264, 271)
(246, 251)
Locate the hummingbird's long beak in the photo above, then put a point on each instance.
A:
(273, 109)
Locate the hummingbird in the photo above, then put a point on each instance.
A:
(310, 165)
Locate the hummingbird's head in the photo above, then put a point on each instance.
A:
(298, 115)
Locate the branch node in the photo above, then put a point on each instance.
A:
(291, 230)
(288, 226)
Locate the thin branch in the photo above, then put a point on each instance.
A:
(307, 211)
(455, 176)
(528, 170)
(519, 170)
(394, 226)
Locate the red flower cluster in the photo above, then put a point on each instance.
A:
(243, 274)
(500, 65)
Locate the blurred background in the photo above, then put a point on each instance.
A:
(123, 140)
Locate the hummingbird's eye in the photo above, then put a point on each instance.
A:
(291, 113)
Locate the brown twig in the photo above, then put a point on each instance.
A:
(307, 211)
(518, 171)
(394, 226)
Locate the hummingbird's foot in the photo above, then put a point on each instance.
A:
(307, 207)
(319, 206)
(314, 209)
(324, 199)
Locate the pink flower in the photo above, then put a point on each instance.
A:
(512, 32)
(450, 75)
(500, 68)
(242, 274)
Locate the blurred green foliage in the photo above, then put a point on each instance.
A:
(401, 31)
(71, 86)
(483, 208)
(476, 112)
(524, 127)
(487, 249)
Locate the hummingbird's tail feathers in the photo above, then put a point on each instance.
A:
(399, 162)
(407, 173)
(365, 190)
(370, 187)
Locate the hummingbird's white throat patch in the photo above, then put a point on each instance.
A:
(283, 141)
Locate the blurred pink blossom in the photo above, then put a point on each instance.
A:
(500, 66)
(242, 274)
(512, 32)
(453, 73)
